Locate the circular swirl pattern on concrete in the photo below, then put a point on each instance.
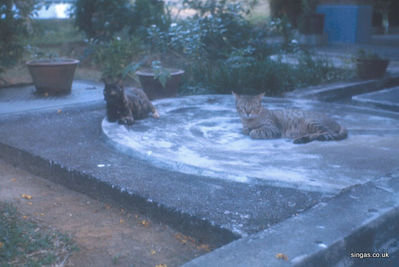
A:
(201, 135)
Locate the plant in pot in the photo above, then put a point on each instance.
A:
(370, 65)
(51, 74)
(114, 57)
(310, 22)
(159, 81)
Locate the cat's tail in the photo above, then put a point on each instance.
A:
(326, 136)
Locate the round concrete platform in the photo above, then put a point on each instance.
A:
(202, 135)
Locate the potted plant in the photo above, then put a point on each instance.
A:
(114, 56)
(310, 22)
(370, 65)
(158, 81)
(52, 76)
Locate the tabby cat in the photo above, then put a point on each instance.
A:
(301, 126)
(127, 105)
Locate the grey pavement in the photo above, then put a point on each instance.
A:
(333, 199)
(22, 99)
(386, 99)
(201, 135)
(358, 227)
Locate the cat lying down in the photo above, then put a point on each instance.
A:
(301, 126)
(127, 105)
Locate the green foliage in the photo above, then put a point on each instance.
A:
(150, 12)
(14, 25)
(54, 32)
(102, 19)
(115, 56)
(220, 52)
(160, 73)
(246, 75)
(221, 26)
(363, 54)
(291, 9)
(24, 243)
(99, 19)
(313, 70)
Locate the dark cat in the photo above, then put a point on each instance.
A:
(302, 126)
(127, 105)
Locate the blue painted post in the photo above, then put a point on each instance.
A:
(347, 21)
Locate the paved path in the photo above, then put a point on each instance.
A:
(64, 142)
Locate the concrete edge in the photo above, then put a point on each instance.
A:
(360, 99)
(82, 182)
(361, 219)
(345, 90)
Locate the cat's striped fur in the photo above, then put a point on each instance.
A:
(301, 126)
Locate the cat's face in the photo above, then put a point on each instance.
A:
(249, 107)
(113, 92)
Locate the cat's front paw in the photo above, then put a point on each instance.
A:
(245, 131)
(155, 115)
(302, 140)
(255, 134)
(126, 120)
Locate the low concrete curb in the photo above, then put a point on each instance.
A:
(385, 99)
(90, 185)
(359, 222)
(67, 147)
(343, 90)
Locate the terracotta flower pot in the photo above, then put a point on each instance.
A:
(371, 68)
(154, 89)
(52, 76)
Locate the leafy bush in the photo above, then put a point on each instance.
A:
(150, 12)
(219, 25)
(247, 75)
(101, 19)
(291, 9)
(115, 56)
(54, 32)
(316, 70)
(14, 23)
(220, 52)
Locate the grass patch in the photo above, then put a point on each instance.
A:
(51, 32)
(25, 243)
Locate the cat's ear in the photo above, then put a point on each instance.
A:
(261, 95)
(235, 95)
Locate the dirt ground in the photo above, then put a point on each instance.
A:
(105, 234)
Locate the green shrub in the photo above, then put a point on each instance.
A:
(54, 32)
(220, 52)
(14, 23)
(291, 9)
(246, 73)
(101, 19)
(113, 57)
